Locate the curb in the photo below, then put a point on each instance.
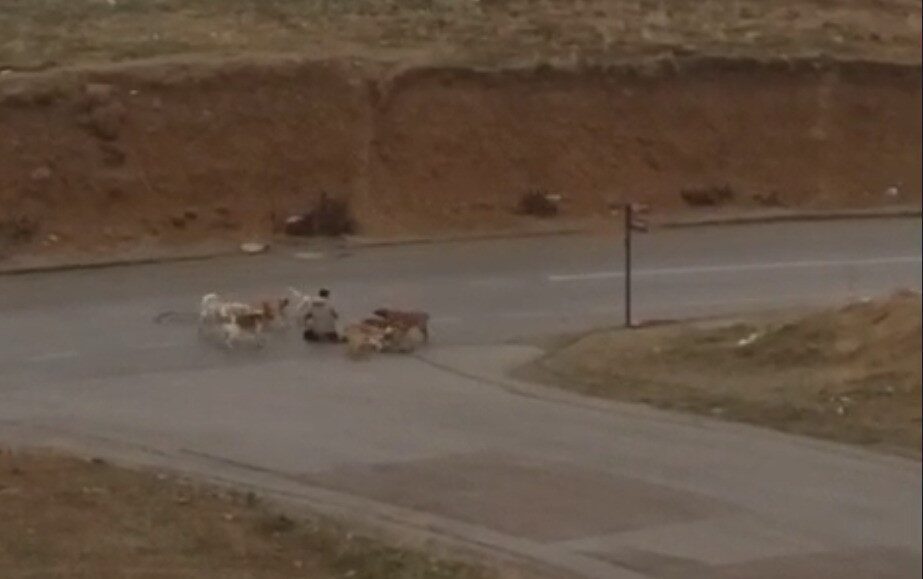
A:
(843, 215)
(107, 263)
(362, 243)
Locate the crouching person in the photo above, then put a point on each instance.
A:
(320, 322)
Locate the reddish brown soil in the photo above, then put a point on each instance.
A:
(184, 151)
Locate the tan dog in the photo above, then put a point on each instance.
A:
(363, 340)
(402, 321)
(274, 312)
(403, 340)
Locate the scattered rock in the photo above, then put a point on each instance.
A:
(330, 217)
(254, 247)
(190, 214)
(299, 226)
(743, 342)
(892, 191)
(19, 228)
(41, 174)
(96, 460)
(178, 221)
(707, 196)
(539, 203)
(105, 122)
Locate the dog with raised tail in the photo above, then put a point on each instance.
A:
(213, 309)
(300, 301)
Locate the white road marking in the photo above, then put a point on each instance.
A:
(740, 267)
(52, 356)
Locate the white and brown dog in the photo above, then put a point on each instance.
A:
(242, 328)
(238, 321)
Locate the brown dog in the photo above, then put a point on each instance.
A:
(274, 311)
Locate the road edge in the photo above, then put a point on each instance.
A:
(357, 242)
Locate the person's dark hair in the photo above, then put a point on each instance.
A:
(324, 293)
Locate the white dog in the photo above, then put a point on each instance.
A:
(214, 310)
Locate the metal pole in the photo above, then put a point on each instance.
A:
(629, 219)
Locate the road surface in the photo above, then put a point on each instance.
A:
(109, 361)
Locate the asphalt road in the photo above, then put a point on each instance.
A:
(109, 360)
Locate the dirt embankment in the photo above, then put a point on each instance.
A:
(851, 373)
(66, 517)
(180, 152)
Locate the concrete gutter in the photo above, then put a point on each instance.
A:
(26, 265)
(363, 242)
(787, 216)
(41, 264)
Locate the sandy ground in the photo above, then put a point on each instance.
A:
(70, 517)
(851, 374)
(473, 32)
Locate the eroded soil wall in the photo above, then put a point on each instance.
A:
(178, 152)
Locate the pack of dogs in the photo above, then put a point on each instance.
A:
(235, 323)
